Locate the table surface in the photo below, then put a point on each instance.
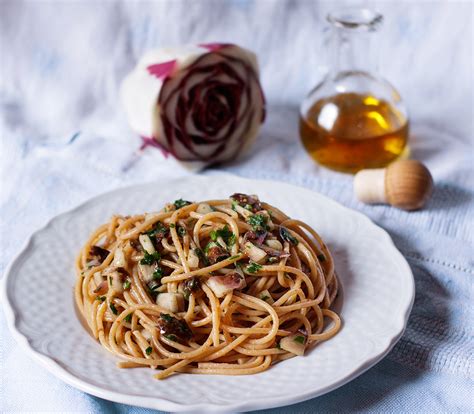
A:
(64, 139)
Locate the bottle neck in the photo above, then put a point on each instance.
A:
(352, 51)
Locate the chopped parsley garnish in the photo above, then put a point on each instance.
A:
(110, 279)
(234, 257)
(149, 350)
(181, 231)
(171, 337)
(248, 207)
(166, 317)
(149, 259)
(278, 346)
(181, 203)
(234, 204)
(158, 273)
(226, 234)
(128, 318)
(126, 284)
(210, 245)
(286, 235)
(231, 240)
(159, 230)
(258, 222)
(101, 298)
(265, 298)
(321, 257)
(172, 226)
(113, 309)
(300, 339)
(253, 267)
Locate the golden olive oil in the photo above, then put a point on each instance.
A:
(349, 132)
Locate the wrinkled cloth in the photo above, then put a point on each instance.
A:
(64, 139)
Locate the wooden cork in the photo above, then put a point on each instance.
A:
(404, 184)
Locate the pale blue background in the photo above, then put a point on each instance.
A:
(64, 138)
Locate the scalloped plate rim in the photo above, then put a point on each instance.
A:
(166, 405)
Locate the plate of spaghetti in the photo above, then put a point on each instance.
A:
(213, 294)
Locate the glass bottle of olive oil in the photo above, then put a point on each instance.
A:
(353, 119)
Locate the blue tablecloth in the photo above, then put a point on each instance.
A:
(64, 139)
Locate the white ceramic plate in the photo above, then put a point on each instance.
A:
(377, 296)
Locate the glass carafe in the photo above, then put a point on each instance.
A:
(354, 119)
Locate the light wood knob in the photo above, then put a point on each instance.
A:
(404, 184)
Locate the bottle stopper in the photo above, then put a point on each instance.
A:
(404, 184)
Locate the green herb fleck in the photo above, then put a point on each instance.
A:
(128, 318)
(231, 240)
(166, 317)
(234, 257)
(253, 267)
(181, 231)
(181, 203)
(158, 273)
(300, 339)
(278, 346)
(171, 337)
(113, 309)
(149, 350)
(321, 257)
(234, 204)
(126, 284)
(287, 236)
(110, 279)
(159, 230)
(226, 234)
(149, 259)
(210, 245)
(101, 298)
(265, 298)
(258, 222)
(172, 226)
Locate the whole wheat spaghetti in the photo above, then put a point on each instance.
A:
(217, 287)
